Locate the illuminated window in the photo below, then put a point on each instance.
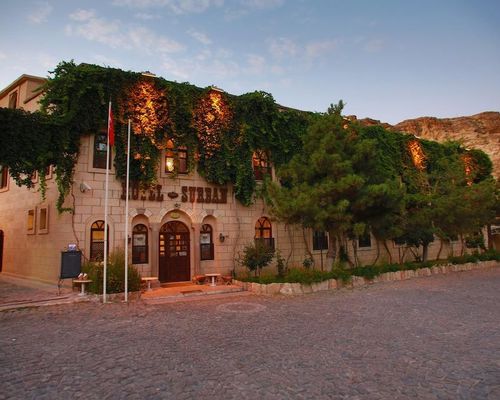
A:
(100, 151)
(13, 100)
(4, 177)
(140, 244)
(320, 240)
(365, 241)
(30, 227)
(43, 220)
(264, 232)
(261, 165)
(176, 159)
(206, 243)
(97, 241)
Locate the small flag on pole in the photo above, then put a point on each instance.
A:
(111, 127)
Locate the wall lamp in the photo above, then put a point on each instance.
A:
(222, 237)
(84, 187)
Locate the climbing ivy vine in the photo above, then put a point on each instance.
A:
(220, 131)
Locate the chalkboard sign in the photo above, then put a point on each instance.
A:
(71, 263)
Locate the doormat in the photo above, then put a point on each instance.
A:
(191, 291)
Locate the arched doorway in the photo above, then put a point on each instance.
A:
(1, 249)
(174, 257)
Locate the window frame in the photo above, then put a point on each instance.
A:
(102, 157)
(319, 242)
(206, 229)
(31, 221)
(98, 228)
(260, 232)
(261, 165)
(177, 157)
(363, 240)
(13, 100)
(138, 250)
(41, 230)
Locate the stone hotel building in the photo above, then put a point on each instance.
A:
(184, 226)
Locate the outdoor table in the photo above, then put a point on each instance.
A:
(82, 283)
(212, 278)
(149, 279)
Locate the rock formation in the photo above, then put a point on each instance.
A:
(480, 131)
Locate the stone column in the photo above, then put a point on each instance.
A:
(155, 245)
(195, 237)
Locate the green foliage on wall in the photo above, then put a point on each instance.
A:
(75, 104)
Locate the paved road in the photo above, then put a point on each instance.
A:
(427, 338)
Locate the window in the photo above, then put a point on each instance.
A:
(140, 244)
(43, 220)
(97, 241)
(261, 165)
(206, 243)
(263, 232)
(4, 177)
(365, 241)
(176, 159)
(30, 227)
(13, 100)
(100, 150)
(320, 240)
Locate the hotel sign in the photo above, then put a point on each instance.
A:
(191, 194)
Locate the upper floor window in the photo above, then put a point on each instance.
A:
(4, 177)
(30, 226)
(206, 243)
(100, 151)
(13, 100)
(97, 241)
(320, 240)
(261, 165)
(176, 159)
(140, 244)
(264, 232)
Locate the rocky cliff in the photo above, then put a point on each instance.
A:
(480, 131)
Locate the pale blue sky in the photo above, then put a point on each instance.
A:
(389, 60)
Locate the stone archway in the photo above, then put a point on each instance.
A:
(174, 253)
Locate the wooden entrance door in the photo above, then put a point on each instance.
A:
(174, 253)
(1, 249)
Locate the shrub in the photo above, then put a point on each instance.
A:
(115, 282)
(257, 256)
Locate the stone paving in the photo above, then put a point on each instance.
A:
(427, 338)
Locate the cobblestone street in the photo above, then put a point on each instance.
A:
(426, 338)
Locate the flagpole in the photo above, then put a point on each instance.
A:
(106, 210)
(126, 212)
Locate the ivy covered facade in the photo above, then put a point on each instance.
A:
(200, 160)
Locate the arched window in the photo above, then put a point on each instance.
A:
(97, 241)
(261, 165)
(206, 243)
(264, 232)
(140, 244)
(176, 159)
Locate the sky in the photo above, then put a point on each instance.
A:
(387, 60)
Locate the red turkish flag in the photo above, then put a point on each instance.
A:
(111, 127)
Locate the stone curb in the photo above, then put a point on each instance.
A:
(290, 289)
